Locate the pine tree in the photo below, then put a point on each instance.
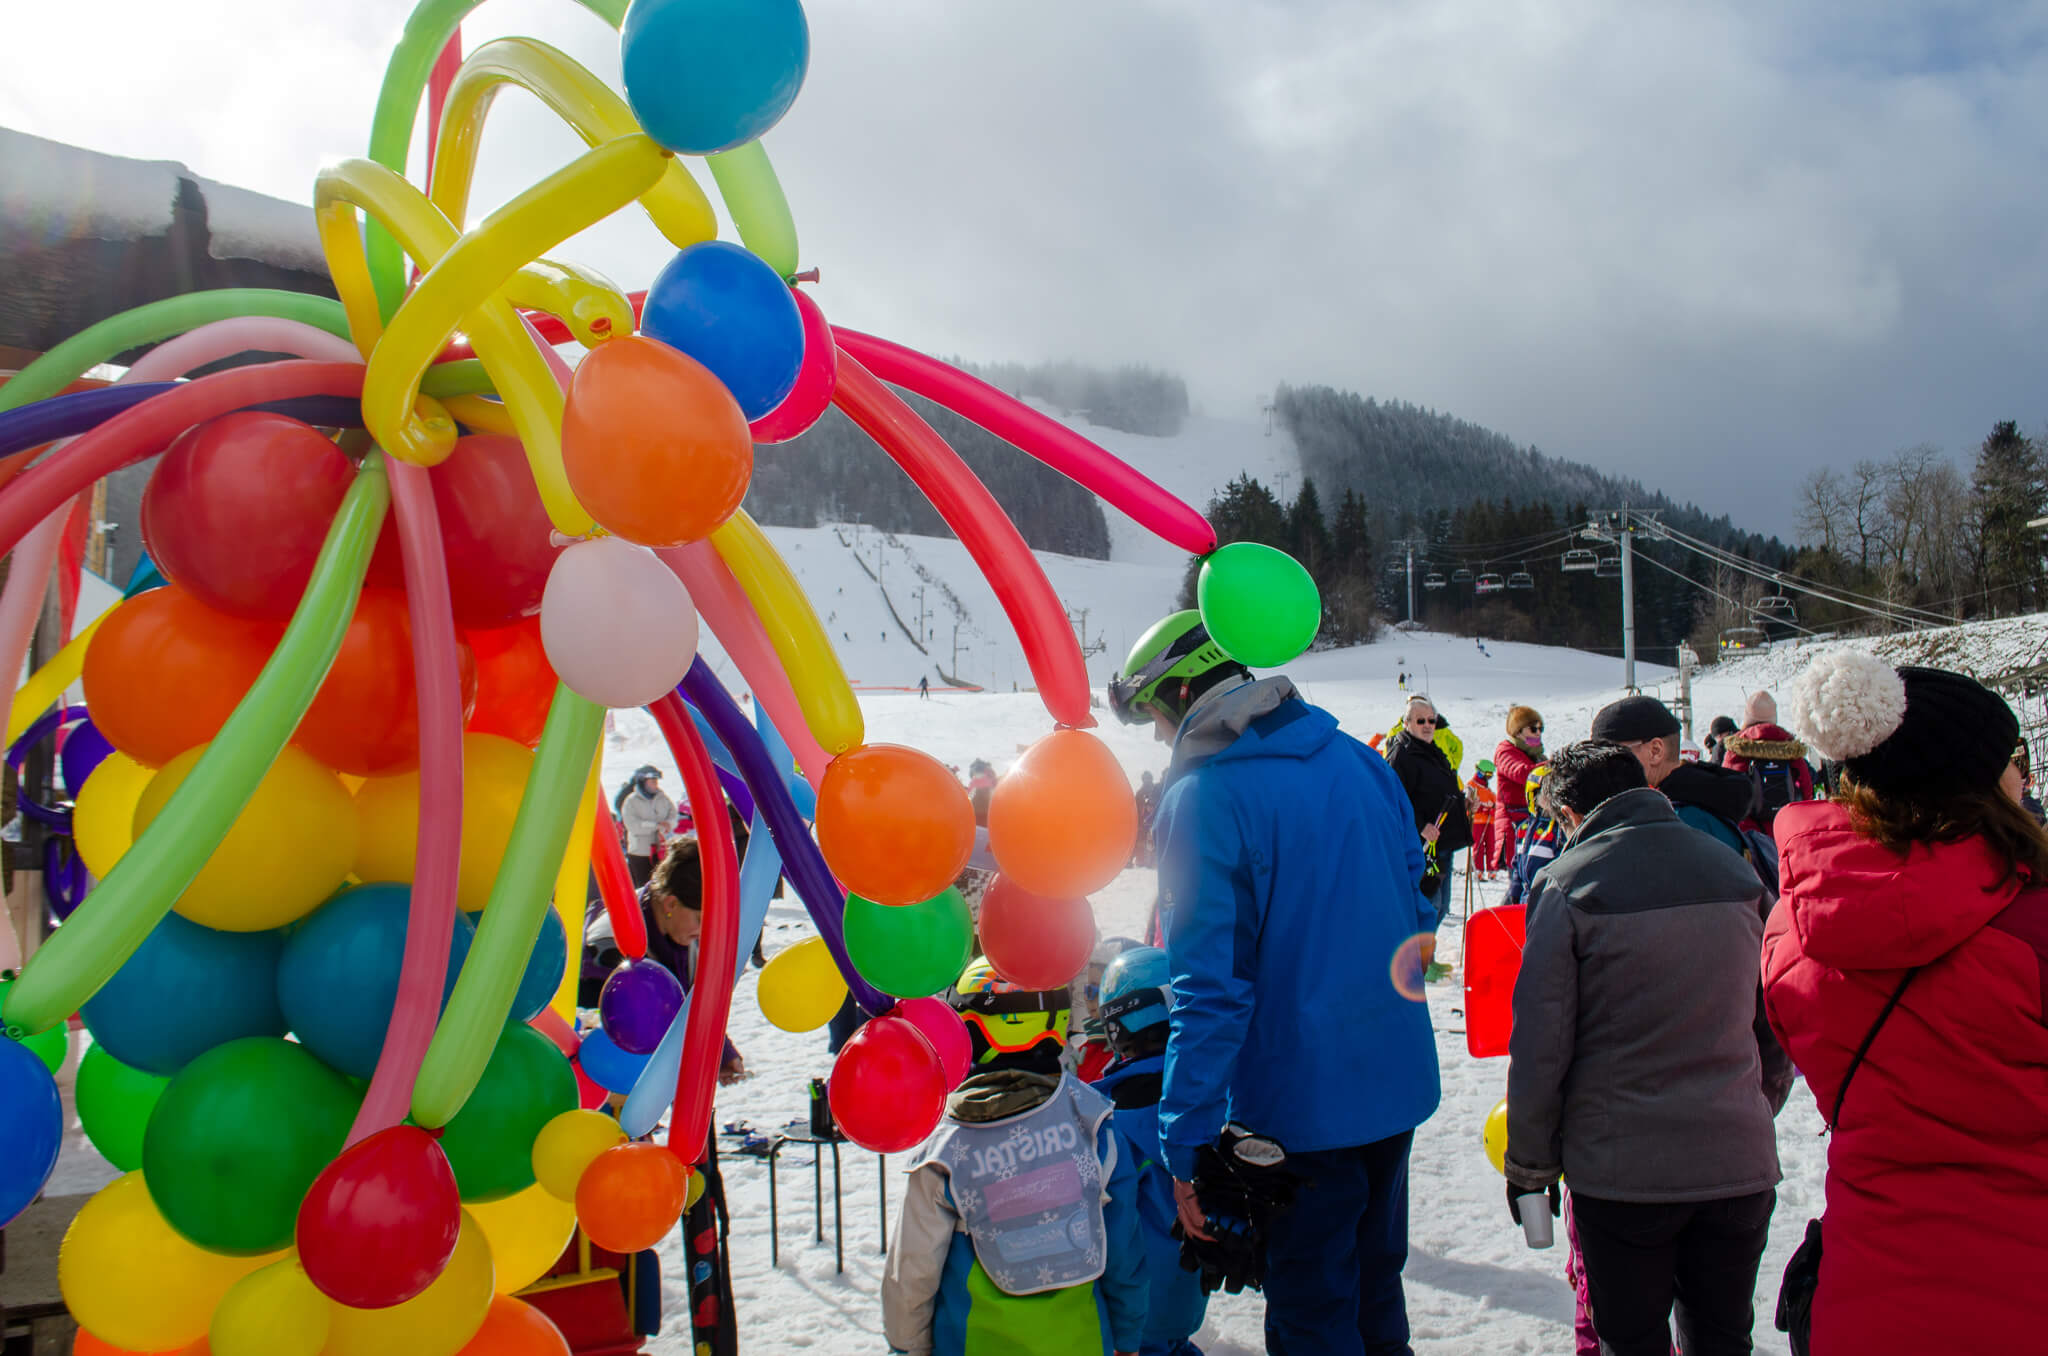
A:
(1308, 537)
(1351, 537)
(2009, 490)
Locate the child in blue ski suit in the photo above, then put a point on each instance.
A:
(1135, 991)
(1019, 1230)
(1541, 840)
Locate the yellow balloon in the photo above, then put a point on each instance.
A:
(439, 1321)
(129, 1278)
(801, 988)
(290, 848)
(793, 628)
(571, 889)
(277, 1311)
(565, 1147)
(494, 772)
(103, 820)
(1496, 1135)
(47, 683)
(527, 1232)
(696, 1190)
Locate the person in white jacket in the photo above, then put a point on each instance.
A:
(649, 818)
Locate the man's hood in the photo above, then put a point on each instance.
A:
(1717, 790)
(1219, 726)
(1762, 742)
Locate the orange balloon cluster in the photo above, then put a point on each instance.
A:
(365, 721)
(514, 682)
(631, 1195)
(894, 824)
(1062, 822)
(164, 672)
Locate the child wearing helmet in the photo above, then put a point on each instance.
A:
(1480, 798)
(1019, 1222)
(1542, 838)
(1136, 994)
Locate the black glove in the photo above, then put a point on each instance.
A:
(1516, 1193)
(1241, 1182)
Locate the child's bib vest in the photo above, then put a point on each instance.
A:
(1029, 1190)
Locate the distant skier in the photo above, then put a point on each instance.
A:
(924, 688)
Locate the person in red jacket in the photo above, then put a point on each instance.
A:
(1514, 759)
(1913, 928)
(1772, 758)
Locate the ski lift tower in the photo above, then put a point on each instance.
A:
(1410, 545)
(1619, 527)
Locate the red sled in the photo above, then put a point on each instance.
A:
(1493, 958)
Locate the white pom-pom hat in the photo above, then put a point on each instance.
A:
(1911, 731)
(1847, 703)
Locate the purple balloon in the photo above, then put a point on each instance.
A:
(638, 1002)
(85, 748)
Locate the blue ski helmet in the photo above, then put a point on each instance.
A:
(1135, 991)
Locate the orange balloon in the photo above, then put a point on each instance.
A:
(894, 824)
(515, 1328)
(515, 684)
(631, 1195)
(1063, 821)
(365, 720)
(653, 444)
(85, 1344)
(164, 672)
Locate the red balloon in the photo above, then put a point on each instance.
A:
(381, 1220)
(365, 721)
(887, 1089)
(515, 684)
(936, 1021)
(1033, 942)
(164, 672)
(238, 507)
(590, 1094)
(496, 532)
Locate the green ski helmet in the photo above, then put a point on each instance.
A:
(1166, 660)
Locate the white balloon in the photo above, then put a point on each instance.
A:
(616, 623)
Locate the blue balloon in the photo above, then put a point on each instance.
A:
(185, 990)
(704, 76)
(721, 305)
(606, 1064)
(544, 968)
(338, 980)
(31, 1128)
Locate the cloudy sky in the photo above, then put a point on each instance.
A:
(1712, 245)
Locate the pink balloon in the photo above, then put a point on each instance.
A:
(815, 380)
(617, 624)
(939, 1024)
(887, 1089)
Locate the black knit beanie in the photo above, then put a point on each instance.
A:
(1908, 727)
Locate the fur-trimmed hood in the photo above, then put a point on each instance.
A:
(1761, 742)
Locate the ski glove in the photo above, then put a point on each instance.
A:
(1241, 1182)
(1515, 1194)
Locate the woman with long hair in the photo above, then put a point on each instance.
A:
(1904, 971)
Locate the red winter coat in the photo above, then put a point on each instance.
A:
(1936, 1234)
(1512, 765)
(1769, 741)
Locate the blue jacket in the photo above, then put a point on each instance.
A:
(1540, 840)
(1177, 1303)
(1288, 873)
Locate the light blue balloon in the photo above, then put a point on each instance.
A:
(704, 76)
(606, 1064)
(187, 989)
(338, 980)
(31, 1128)
(800, 791)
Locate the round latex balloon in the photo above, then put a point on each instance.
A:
(704, 76)
(619, 627)
(31, 1128)
(639, 1000)
(816, 380)
(722, 306)
(365, 721)
(659, 482)
(494, 772)
(630, 1196)
(1259, 604)
(84, 749)
(238, 1137)
(238, 507)
(222, 986)
(936, 1021)
(527, 1232)
(134, 1281)
(526, 1084)
(164, 672)
(1034, 942)
(103, 819)
(515, 684)
(288, 849)
(276, 1311)
(544, 968)
(515, 1328)
(114, 1106)
(1063, 821)
(607, 1065)
(800, 987)
(893, 823)
(566, 1146)
(380, 1222)
(912, 950)
(495, 531)
(888, 1088)
(1495, 1136)
(338, 978)
(85, 1344)
(435, 1322)
(50, 1046)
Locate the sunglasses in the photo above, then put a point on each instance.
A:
(1532, 729)
(1422, 720)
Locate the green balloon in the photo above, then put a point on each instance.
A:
(911, 950)
(1259, 604)
(237, 1139)
(526, 1084)
(114, 1104)
(49, 1046)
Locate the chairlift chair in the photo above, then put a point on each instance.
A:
(1777, 607)
(1461, 575)
(1608, 567)
(1579, 560)
(1489, 583)
(1433, 580)
(1744, 638)
(1522, 579)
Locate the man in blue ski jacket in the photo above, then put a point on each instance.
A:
(1295, 931)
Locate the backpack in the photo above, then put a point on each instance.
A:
(1776, 787)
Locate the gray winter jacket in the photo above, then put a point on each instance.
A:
(1634, 1068)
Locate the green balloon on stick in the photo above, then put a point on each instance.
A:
(911, 950)
(114, 1105)
(1259, 604)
